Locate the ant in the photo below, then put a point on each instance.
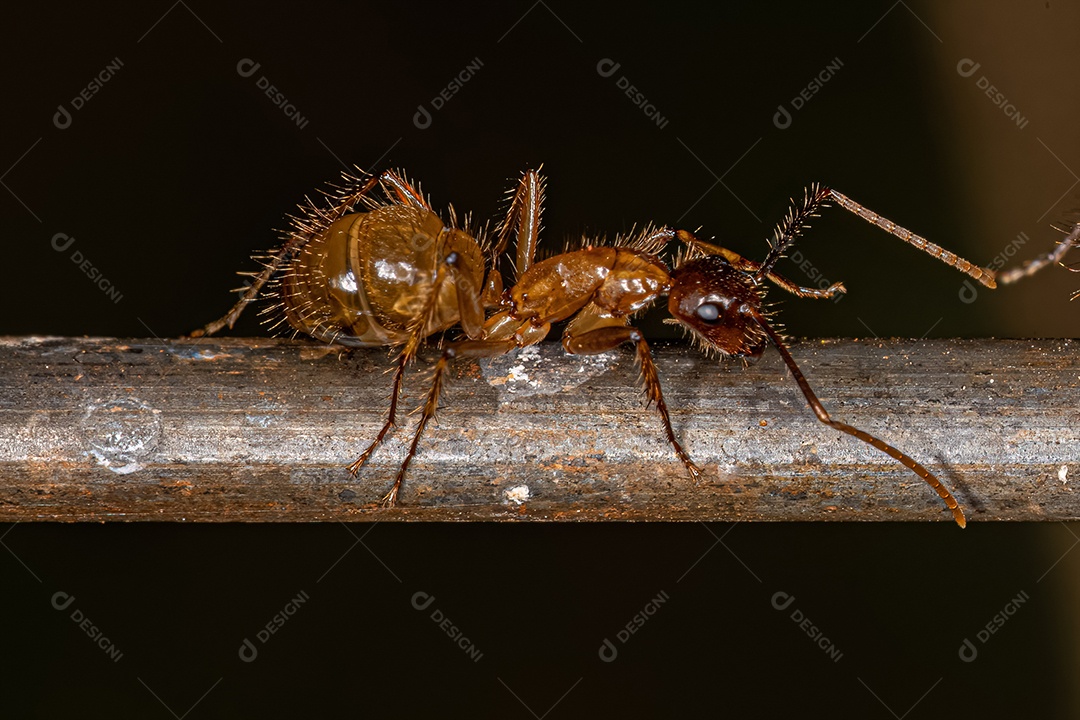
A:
(396, 274)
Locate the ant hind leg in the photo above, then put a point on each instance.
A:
(391, 419)
(464, 348)
(311, 221)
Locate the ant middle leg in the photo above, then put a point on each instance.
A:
(592, 332)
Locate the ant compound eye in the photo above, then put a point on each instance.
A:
(708, 312)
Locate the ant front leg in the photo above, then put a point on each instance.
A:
(592, 332)
(822, 415)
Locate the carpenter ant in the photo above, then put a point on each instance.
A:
(362, 279)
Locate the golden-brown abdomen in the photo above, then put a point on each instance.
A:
(368, 279)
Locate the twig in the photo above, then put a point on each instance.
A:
(261, 430)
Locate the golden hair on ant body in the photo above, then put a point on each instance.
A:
(395, 273)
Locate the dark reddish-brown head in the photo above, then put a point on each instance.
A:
(719, 305)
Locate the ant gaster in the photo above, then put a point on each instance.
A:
(333, 289)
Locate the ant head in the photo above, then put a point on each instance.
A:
(718, 304)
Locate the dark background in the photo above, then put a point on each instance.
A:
(179, 167)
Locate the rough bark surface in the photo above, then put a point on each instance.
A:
(258, 430)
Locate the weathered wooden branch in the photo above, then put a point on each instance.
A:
(261, 430)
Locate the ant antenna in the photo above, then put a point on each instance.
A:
(986, 277)
(816, 197)
(791, 227)
(1071, 240)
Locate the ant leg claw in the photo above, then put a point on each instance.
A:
(360, 461)
(390, 499)
(354, 469)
